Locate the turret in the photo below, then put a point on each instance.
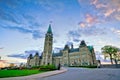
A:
(36, 59)
(83, 44)
(66, 47)
(37, 54)
(28, 59)
(30, 56)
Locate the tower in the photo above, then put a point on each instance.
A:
(66, 59)
(29, 60)
(47, 53)
(36, 59)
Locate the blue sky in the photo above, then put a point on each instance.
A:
(23, 24)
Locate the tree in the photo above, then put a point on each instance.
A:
(111, 51)
(12, 65)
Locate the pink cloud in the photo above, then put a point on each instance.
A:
(109, 12)
(3, 61)
(97, 4)
(90, 19)
(100, 6)
(94, 2)
(82, 24)
(108, 7)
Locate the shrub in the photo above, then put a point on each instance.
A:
(35, 67)
(47, 67)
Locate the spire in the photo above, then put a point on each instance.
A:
(30, 56)
(49, 29)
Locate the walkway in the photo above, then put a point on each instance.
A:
(87, 74)
(74, 74)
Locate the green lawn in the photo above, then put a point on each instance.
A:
(15, 73)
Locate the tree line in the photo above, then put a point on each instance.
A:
(112, 52)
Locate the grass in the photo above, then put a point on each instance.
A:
(15, 73)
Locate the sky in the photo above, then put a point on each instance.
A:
(23, 24)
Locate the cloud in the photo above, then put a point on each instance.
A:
(117, 16)
(114, 30)
(57, 49)
(35, 33)
(2, 60)
(102, 11)
(31, 27)
(23, 55)
(91, 31)
(20, 29)
(76, 40)
(82, 24)
(109, 12)
(69, 43)
(54, 41)
(94, 2)
(31, 52)
(97, 4)
(13, 18)
(9, 16)
(50, 5)
(1, 48)
(108, 8)
(99, 57)
(89, 21)
(74, 35)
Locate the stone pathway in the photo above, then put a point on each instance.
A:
(74, 74)
(86, 74)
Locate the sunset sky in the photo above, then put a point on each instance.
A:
(23, 24)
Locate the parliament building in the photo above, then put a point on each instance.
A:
(82, 56)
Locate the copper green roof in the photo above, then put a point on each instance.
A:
(49, 29)
(90, 48)
(74, 50)
(57, 54)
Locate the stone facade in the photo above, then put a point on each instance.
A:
(47, 53)
(34, 61)
(81, 56)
